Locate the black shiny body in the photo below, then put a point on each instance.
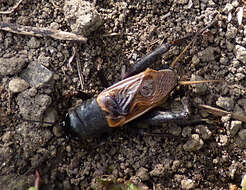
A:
(87, 119)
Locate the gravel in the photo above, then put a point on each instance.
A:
(194, 143)
(208, 155)
(81, 16)
(18, 85)
(14, 64)
(225, 102)
(37, 75)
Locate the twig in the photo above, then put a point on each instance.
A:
(12, 9)
(70, 60)
(81, 77)
(41, 32)
(220, 112)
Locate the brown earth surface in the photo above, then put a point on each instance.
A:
(211, 155)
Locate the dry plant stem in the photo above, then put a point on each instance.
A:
(41, 32)
(81, 77)
(37, 181)
(70, 60)
(11, 10)
(220, 112)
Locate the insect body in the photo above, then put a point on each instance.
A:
(141, 90)
(122, 102)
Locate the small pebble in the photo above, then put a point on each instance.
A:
(68, 148)
(143, 174)
(208, 54)
(33, 43)
(82, 16)
(18, 85)
(57, 131)
(187, 184)
(226, 103)
(242, 134)
(37, 75)
(186, 132)
(228, 8)
(158, 171)
(223, 140)
(240, 53)
(50, 116)
(194, 143)
(235, 126)
(6, 137)
(13, 65)
(203, 131)
(32, 107)
(231, 32)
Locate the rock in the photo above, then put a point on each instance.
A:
(235, 126)
(228, 8)
(68, 148)
(159, 170)
(194, 143)
(7, 137)
(82, 16)
(176, 165)
(33, 43)
(37, 75)
(143, 174)
(34, 107)
(18, 85)
(226, 103)
(223, 140)
(44, 60)
(186, 132)
(57, 130)
(240, 53)
(231, 32)
(208, 54)
(242, 134)
(182, 2)
(195, 60)
(50, 116)
(12, 65)
(187, 184)
(32, 138)
(203, 131)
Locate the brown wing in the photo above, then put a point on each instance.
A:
(132, 97)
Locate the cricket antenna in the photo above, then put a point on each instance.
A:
(215, 20)
(198, 82)
(187, 47)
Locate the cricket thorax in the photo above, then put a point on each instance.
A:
(132, 97)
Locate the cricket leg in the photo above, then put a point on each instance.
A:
(147, 60)
(156, 117)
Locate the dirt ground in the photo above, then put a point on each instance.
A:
(211, 155)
